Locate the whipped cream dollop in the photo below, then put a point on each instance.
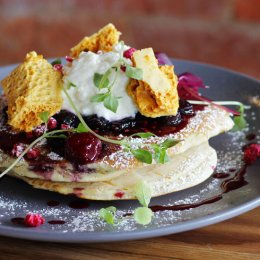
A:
(81, 73)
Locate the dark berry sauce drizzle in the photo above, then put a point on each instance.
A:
(233, 183)
(220, 175)
(251, 137)
(56, 222)
(19, 221)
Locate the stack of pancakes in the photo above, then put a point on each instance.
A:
(191, 162)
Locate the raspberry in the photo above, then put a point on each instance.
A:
(33, 220)
(33, 153)
(52, 123)
(18, 149)
(251, 153)
(129, 53)
(69, 59)
(58, 67)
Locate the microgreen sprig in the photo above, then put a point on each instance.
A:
(143, 215)
(239, 121)
(101, 81)
(108, 214)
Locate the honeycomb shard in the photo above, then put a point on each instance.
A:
(31, 88)
(156, 94)
(103, 40)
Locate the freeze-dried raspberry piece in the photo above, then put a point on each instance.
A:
(33, 220)
(58, 67)
(18, 149)
(129, 53)
(69, 59)
(39, 130)
(251, 153)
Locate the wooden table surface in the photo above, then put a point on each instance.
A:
(237, 238)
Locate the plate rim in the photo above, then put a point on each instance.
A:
(110, 236)
(94, 237)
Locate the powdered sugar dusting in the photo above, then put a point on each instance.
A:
(54, 156)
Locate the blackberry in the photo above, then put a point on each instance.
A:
(65, 117)
(185, 108)
(121, 126)
(97, 123)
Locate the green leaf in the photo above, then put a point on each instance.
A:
(143, 155)
(239, 121)
(101, 80)
(161, 156)
(108, 214)
(160, 151)
(57, 61)
(81, 128)
(111, 103)
(71, 85)
(169, 143)
(134, 73)
(144, 134)
(44, 116)
(143, 193)
(98, 98)
(143, 215)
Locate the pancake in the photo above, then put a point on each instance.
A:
(183, 171)
(205, 124)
